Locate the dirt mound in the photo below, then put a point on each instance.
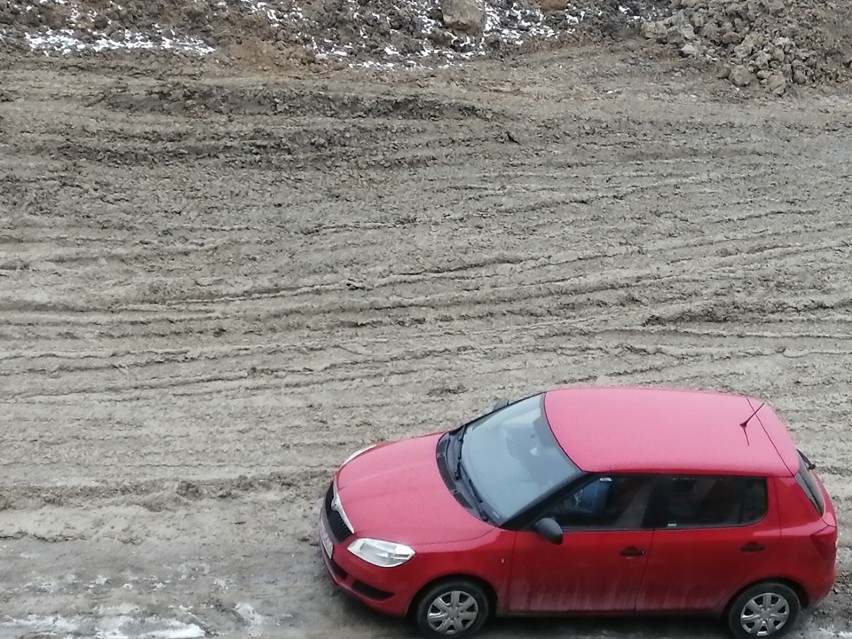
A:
(770, 43)
(356, 32)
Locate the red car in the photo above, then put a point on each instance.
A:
(587, 501)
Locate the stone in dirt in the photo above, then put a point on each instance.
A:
(654, 30)
(762, 60)
(552, 5)
(743, 50)
(740, 76)
(676, 29)
(731, 37)
(690, 51)
(464, 16)
(711, 32)
(776, 83)
(800, 76)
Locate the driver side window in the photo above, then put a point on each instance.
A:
(614, 502)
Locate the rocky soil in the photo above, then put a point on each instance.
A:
(227, 265)
(332, 32)
(773, 44)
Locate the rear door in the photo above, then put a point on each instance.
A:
(714, 535)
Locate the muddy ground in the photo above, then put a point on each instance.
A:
(216, 282)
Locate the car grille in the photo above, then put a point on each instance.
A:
(339, 530)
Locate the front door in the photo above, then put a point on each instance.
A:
(600, 564)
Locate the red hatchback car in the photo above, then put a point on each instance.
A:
(587, 501)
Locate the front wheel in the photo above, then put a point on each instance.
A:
(454, 609)
(767, 609)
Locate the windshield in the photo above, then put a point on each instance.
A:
(513, 459)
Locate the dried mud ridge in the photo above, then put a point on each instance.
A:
(286, 101)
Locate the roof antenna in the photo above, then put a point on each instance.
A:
(744, 424)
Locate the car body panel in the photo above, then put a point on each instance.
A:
(778, 432)
(586, 573)
(698, 569)
(487, 559)
(804, 564)
(395, 491)
(663, 430)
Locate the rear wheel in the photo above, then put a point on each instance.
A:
(767, 609)
(456, 609)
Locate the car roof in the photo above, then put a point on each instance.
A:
(666, 430)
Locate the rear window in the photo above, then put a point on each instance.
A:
(707, 502)
(809, 484)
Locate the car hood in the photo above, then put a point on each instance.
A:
(395, 492)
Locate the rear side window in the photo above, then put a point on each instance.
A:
(805, 478)
(707, 502)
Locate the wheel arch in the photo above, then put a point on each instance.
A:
(792, 584)
(489, 590)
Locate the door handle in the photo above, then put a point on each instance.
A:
(632, 551)
(753, 546)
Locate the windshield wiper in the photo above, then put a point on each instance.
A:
(459, 441)
(462, 475)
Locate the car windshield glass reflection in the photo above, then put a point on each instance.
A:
(513, 458)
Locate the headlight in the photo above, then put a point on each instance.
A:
(385, 554)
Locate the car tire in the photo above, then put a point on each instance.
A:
(455, 608)
(767, 609)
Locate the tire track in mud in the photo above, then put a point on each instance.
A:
(196, 327)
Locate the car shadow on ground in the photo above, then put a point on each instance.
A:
(595, 628)
(554, 627)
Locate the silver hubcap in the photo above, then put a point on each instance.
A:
(452, 612)
(765, 614)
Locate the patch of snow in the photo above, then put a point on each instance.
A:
(41, 624)
(808, 630)
(124, 609)
(263, 8)
(111, 627)
(103, 627)
(176, 630)
(627, 12)
(254, 619)
(63, 41)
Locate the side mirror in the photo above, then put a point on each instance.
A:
(549, 529)
(501, 403)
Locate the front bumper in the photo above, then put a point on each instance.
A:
(383, 589)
